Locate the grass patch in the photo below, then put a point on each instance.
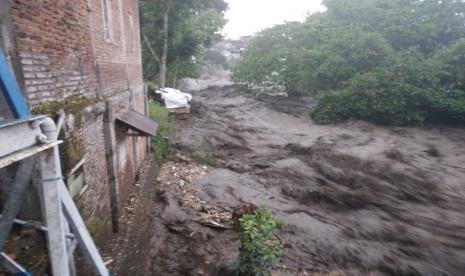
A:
(204, 154)
(95, 228)
(205, 157)
(160, 141)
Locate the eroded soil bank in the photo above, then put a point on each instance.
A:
(357, 199)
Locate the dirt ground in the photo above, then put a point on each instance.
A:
(356, 198)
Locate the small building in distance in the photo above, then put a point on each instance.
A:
(84, 56)
(234, 49)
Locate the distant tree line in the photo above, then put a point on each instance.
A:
(391, 62)
(175, 34)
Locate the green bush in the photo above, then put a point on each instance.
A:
(160, 115)
(260, 249)
(151, 85)
(380, 96)
(410, 91)
(368, 59)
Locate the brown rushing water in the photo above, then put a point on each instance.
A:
(356, 198)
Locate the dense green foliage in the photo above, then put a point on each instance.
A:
(194, 26)
(160, 115)
(391, 62)
(260, 249)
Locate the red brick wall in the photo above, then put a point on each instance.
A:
(130, 149)
(63, 50)
(53, 41)
(119, 63)
(95, 201)
(63, 53)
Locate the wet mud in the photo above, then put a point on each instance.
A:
(356, 198)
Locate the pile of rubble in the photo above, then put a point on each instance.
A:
(179, 174)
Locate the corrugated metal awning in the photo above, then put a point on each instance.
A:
(138, 122)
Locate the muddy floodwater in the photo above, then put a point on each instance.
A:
(356, 198)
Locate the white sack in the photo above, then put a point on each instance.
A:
(174, 98)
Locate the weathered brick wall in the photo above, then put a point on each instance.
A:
(130, 149)
(62, 52)
(94, 202)
(119, 62)
(124, 151)
(132, 37)
(53, 41)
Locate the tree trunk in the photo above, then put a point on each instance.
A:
(164, 54)
(175, 78)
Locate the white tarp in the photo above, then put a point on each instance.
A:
(174, 98)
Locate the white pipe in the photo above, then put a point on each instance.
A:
(61, 119)
(49, 130)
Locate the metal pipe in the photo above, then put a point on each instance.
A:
(38, 226)
(13, 266)
(49, 129)
(61, 119)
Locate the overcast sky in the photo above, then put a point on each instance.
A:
(247, 17)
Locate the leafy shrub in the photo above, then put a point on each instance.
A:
(379, 96)
(160, 115)
(447, 105)
(151, 85)
(448, 102)
(260, 249)
(368, 59)
(409, 91)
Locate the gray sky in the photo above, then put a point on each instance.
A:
(249, 16)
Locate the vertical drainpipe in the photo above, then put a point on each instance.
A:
(146, 111)
(123, 42)
(135, 152)
(135, 155)
(139, 51)
(112, 163)
(108, 128)
(94, 50)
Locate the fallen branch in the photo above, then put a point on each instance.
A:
(213, 224)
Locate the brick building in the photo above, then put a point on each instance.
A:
(83, 56)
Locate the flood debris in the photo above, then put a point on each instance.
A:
(179, 174)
